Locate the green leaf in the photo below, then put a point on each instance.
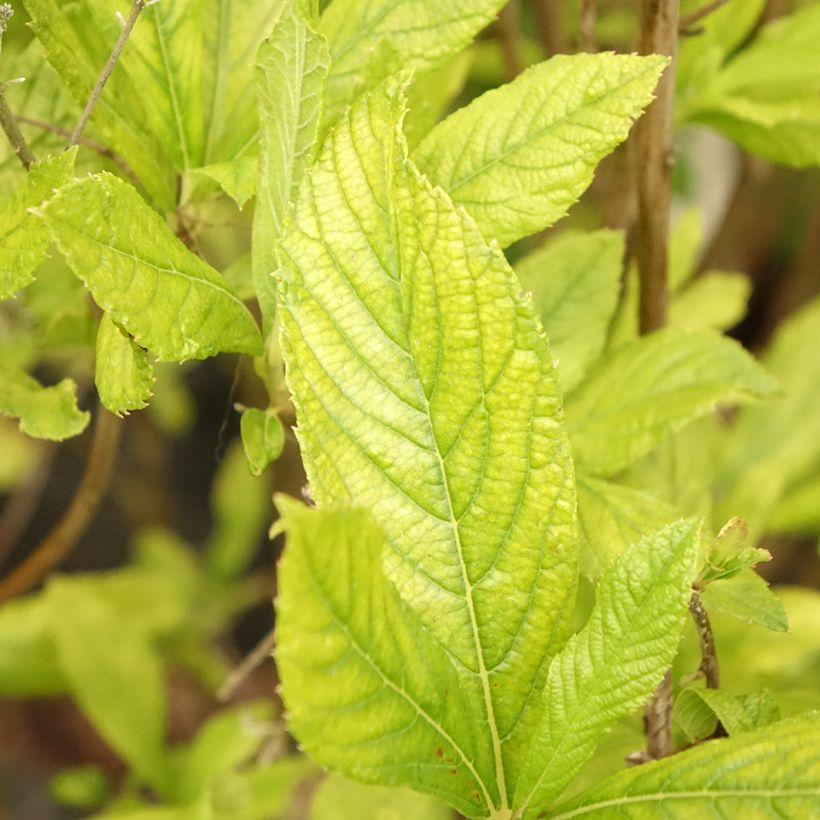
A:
(575, 279)
(124, 376)
(614, 663)
(649, 388)
(519, 156)
(425, 392)
(717, 300)
(164, 296)
(728, 554)
(291, 68)
(611, 517)
(772, 772)
(44, 412)
(749, 598)
(418, 34)
(24, 240)
(736, 713)
(114, 675)
(767, 98)
(340, 799)
(685, 244)
(263, 438)
(237, 177)
(80, 787)
(352, 655)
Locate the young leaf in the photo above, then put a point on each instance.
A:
(24, 240)
(651, 387)
(737, 713)
(748, 597)
(613, 664)
(44, 412)
(772, 772)
(426, 393)
(114, 674)
(237, 177)
(164, 296)
(352, 655)
(611, 517)
(729, 554)
(263, 438)
(124, 376)
(417, 34)
(291, 68)
(519, 156)
(575, 280)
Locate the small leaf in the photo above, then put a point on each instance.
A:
(44, 412)
(236, 177)
(519, 156)
(352, 655)
(772, 772)
(748, 597)
(124, 376)
(613, 664)
(647, 389)
(728, 554)
(24, 240)
(263, 438)
(291, 69)
(164, 296)
(575, 279)
(736, 713)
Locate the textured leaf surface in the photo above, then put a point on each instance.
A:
(44, 412)
(370, 39)
(651, 387)
(611, 517)
(24, 240)
(737, 713)
(425, 392)
(262, 437)
(291, 70)
(773, 772)
(166, 297)
(124, 376)
(519, 156)
(614, 663)
(749, 598)
(352, 656)
(575, 280)
(237, 178)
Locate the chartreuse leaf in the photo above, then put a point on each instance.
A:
(717, 299)
(124, 376)
(291, 69)
(749, 598)
(767, 98)
(729, 553)
(338, 798)
(519, 156)
(353, 655)
(614, 663)
(370, 39)
(773, 772)
(425, 392)
(611, 517)
(263, 438)
(164, 296)
(237, 178)
(115, 676)
(651, 387)
(24, 240)
(736, 713)
(574, 280)
(44, 412)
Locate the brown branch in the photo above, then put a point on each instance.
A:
(686, 23)
(654, 143)
(549, 20)
(709, 666)
(658, 721)
(136, 8)
(257, 656)
(57, 545)
(16, 139)
(506, 29)
(587, 21)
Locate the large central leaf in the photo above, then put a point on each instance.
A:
(425, 392)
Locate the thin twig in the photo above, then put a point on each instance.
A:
(654, 141)
(136, 8)
(709, 667)
(257, 656)
(587, 21)
(549, 20)
(658, 721)
(506, 28)
(16, 139)
(686, 23)
(57, 545)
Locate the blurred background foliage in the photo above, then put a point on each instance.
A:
(116, 683)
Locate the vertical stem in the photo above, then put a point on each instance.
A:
(709, 666)
(136, 8)
(506, 27)
(654, 143)
(18, 142)
(550, 24)
(659, 721)
(587, 19)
